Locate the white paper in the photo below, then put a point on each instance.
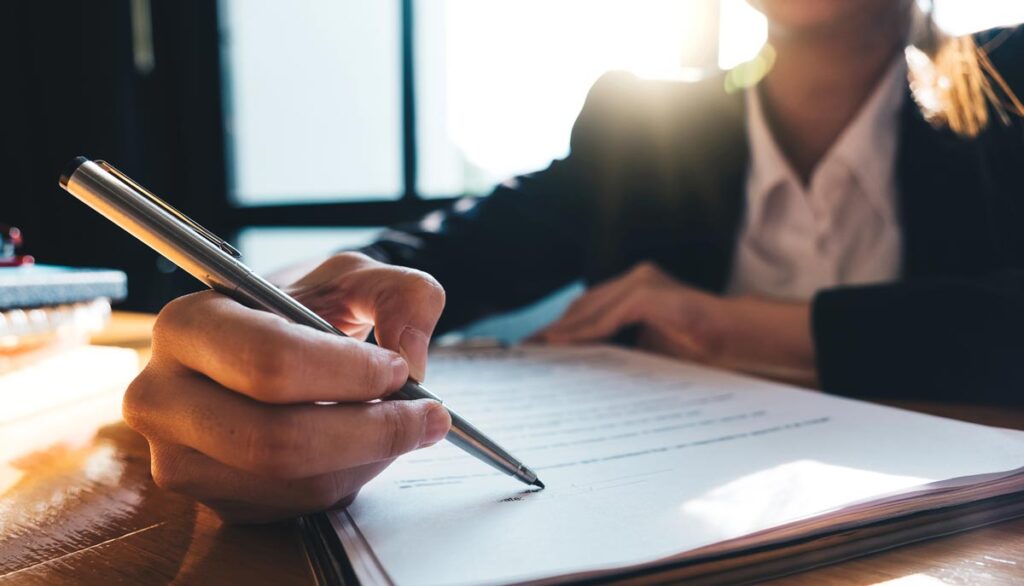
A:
(644, 459)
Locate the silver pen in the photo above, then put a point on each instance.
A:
(216, 263)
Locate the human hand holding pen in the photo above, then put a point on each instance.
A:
(226, 401)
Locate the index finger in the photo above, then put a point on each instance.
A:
(269, 358)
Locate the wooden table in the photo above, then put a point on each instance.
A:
(87, 512)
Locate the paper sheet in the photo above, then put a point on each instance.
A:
(644, 458)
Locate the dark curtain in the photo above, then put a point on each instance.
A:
(73, 86)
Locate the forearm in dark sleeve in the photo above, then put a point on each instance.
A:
(939, 339)
(530, 236)
(500, 252)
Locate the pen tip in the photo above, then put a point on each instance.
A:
(537, 483)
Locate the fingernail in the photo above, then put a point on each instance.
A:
(437, 425)
(413, 347)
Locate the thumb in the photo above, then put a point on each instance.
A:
(353, 292)
(404, 308)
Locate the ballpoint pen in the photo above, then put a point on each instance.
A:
(216, 263)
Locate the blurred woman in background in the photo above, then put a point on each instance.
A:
(868, 247)
(834, 213)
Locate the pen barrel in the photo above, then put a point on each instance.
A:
(257, 292)
(467, 437)
(182, 244)
(147, 221)
(213, 261)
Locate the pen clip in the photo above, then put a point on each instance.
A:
(213, 238)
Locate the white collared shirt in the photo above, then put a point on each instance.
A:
(842, 228)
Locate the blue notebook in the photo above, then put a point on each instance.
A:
(41, 285)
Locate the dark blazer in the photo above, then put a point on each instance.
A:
(657, 172)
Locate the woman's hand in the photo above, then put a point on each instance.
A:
(227, 401)
(766, 338)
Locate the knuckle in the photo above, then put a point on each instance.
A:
(636, 299)
(166, 472)
(273, 446)
(429, 290)
(171, 319)
(374, 371)
(267, 368)
(176, 308)
(137, 401)
(394, 437)
(645, 269)
(706, 341)
(161, 477)
(416, 288)
(347, 263)
(349, 260)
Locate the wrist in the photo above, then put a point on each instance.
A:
(770, 338)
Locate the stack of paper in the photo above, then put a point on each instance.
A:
(653, 465)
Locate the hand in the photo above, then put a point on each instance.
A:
(766, 338)
(227, 400)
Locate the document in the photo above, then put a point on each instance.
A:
(648, 459)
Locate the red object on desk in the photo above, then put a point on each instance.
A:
(10, 241)
(17, 261)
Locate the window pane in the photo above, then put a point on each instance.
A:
(268, 249)
(742, 33)
(960, 18)
(499, 83)
(312, 99)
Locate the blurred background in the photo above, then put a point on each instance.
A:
(300, 127)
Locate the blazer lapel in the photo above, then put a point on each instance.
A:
(942, 199)
(710, 219)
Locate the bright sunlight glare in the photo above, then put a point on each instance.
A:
(515, 74)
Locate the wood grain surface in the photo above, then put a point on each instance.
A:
(83, 510)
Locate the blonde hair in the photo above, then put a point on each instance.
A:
(953, 80)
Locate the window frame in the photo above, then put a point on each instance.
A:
(346, 211)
